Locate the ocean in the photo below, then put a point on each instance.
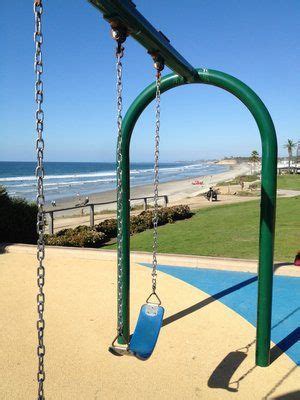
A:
(68, 179)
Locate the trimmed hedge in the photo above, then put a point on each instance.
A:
(143, 221)
(84, 236)
(109, 227)
(81, 236)
(17, 219)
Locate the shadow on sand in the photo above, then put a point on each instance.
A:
(3, 247)
(207, 301)
(221, 377)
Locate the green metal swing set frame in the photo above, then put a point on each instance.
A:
(125, 14)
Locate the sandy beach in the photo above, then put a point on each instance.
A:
(178, 192)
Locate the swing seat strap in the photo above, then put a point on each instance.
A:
(147, 330)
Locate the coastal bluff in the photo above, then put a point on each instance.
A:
(227, 162)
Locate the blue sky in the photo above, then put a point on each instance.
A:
(256, 41)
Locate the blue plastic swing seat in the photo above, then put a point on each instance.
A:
(146, 332)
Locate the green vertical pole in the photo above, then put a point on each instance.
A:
(125, 215)
(266, 252)
(268, 193)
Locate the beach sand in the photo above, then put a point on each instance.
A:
(178, 192)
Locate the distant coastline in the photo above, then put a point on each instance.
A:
(178, 192)
(65, 180)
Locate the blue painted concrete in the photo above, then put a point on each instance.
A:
(238, 290)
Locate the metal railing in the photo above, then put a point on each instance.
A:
(91, 207)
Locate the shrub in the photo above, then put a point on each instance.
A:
(17, 220)
(84, 236)
(241, 178)
(80, 238)
(80, 228)
(63, 232)
(143, 221)
(109, 227)
(248, 178)
(246, 193)
(254, 186)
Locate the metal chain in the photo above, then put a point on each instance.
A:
(156, 178)
(119, 68)
(40, 199)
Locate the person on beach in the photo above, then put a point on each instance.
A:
(211, 194)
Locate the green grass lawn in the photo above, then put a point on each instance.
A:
(291, 182)
(229, 231)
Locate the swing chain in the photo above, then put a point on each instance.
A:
(40, 199)
(120, 37)
(159, 66)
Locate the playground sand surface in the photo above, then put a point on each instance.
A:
(80, 325)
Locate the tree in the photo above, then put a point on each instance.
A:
(254, 158)
(290, 145)
(17, 220)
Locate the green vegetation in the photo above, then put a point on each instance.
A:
(254, 158)
(84, 236)
(255, 186)
(81, 236)
(238, 179)
(238, 159)
(290, 146)
(17, 220)
(291, 182)
(229, 231)
(247, 193)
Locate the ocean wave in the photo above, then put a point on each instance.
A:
(68, 183)
(59, 177)
(31, 178)
(196, 166)
(63, 185)
(66, 176)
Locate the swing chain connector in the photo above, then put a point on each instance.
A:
(119, 33)
(155, 295)
(118, 349)
(159, 62)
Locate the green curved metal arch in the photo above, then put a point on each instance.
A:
(268, 192)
